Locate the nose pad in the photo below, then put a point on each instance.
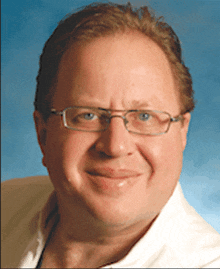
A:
(115, 141)
(119, 116)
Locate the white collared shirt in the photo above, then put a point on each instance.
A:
(179, 237)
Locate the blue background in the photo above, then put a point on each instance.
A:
(27, 24)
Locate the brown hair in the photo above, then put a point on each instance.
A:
(103, 19)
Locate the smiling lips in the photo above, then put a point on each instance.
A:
(114, 174)
(113, 182)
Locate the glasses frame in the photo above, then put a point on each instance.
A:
(109, 111)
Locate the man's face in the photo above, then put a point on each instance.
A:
(115, 176)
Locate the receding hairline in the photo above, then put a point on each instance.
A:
(80, 45)
(104, 19)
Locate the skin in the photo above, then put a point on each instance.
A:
(101, 220)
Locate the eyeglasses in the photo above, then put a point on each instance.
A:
(90, 119)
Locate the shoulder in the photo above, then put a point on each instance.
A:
(195, 241)
(22, 201)
(23, 193)
(27, 182)
(21, 189)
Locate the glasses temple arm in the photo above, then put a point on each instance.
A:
(180, 117)
(54, 111)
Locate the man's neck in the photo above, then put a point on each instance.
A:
(82, 239)
(80, 251)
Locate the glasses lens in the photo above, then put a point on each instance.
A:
(85, 119)
(147, 122)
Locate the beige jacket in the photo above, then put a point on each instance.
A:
(179, 238)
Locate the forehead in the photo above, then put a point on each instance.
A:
(130, 65)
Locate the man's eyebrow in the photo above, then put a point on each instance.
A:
(138, 104)
(130, 105)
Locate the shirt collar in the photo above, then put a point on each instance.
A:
(152, 245)
(45, 221)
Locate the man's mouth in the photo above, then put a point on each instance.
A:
(114, 174)
(108, 180)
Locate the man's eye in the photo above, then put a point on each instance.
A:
(88, 116)
(144, 116)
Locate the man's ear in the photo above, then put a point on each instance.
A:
(185, 128)
(40, 126)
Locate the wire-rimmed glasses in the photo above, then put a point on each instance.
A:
(91, 119)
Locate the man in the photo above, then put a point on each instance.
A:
(112, 111)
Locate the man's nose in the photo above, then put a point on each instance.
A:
(116, 141)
